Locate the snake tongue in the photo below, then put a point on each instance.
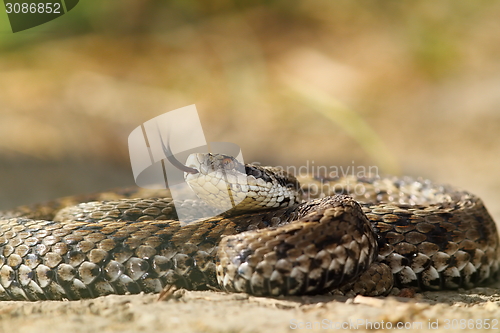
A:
(181, 166)
(171, 158)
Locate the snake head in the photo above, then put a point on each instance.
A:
(207, 163)
(223, 182)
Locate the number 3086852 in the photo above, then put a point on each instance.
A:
(25, 8)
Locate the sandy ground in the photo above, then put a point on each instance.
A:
(190, 311)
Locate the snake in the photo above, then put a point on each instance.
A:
(278, 235)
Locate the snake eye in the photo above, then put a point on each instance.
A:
(226, 161)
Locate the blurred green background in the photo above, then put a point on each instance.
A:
(412, 87)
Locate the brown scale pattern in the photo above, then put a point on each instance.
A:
(329, 245)
(404, 233)
(454, 247)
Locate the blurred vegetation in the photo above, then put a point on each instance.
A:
(433, 30)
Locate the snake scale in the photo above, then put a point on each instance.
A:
(348, 235)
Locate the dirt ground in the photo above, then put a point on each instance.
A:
(189, 311)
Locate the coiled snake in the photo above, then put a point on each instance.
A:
(352, 235)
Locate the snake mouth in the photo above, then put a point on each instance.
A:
(175, 162)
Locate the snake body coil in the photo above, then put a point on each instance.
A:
(353, 235)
